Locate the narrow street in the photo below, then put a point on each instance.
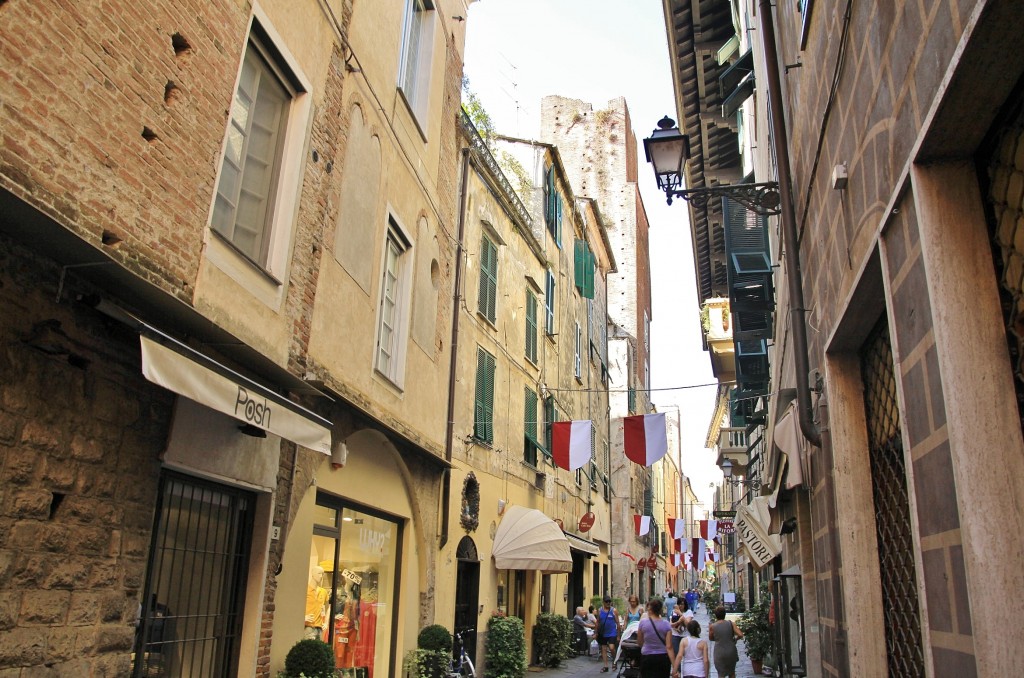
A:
(591, 666)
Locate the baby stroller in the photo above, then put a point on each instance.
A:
(627, 657)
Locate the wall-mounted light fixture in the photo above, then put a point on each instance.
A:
(754, 484)
(668, 149)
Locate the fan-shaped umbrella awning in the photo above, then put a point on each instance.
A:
(527, 539)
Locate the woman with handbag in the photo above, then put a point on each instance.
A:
(653, 636)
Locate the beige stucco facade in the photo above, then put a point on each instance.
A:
(509, 469)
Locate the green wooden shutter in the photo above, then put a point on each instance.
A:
(531, 326)
(487, 303)
(530, 443)
(483, 410)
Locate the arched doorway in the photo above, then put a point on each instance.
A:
(467, 592)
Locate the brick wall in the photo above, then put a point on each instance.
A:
(79, 86)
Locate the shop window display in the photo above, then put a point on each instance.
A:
(358, 555)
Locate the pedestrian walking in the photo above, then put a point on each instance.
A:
(679, 619)
(670, 603)
(608, 630)
(692, 658)
(724, 633)
(652, 635)
(633, 610)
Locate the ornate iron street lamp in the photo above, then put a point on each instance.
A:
(755, 485)
(667, 149)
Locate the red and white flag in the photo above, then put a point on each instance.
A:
(676, 527)
(698, 552)
(570, 443)
(679, 545)
(709, 529)
(677, 559)
(642, 524)
(645, 438)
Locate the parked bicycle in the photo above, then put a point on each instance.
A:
(462, 665)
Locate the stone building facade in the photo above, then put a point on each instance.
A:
(903, 123)
(208, 198)
(600, 152)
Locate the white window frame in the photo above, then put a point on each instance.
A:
(578, 361)
(416, 62)
(550, 323)
(395, 284)
(272, 266)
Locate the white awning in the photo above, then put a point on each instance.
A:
(579, 544)
(202, 379)
(526, 539)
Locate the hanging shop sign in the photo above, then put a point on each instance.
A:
(726, 527)
(587, 521)
(652, 563)
(724, 514)
(641, 564)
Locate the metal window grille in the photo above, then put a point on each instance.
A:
(892, 508)
(195, 587)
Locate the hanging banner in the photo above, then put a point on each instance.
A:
(726, 527)
(752, 527)
(652, 563)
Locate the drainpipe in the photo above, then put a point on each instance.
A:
(446, 487)
(790, 240)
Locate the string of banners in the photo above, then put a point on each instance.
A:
(644, 436)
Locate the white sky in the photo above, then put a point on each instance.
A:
(518, 51)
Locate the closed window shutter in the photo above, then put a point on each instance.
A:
(483, 417)
(487, 304)
(489, 397)
(531, 326)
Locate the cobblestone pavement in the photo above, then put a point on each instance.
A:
(591, 666)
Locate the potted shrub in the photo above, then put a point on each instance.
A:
(552, 639)
(309, 658)
(432, 657)
(506, 648)
(757, 631)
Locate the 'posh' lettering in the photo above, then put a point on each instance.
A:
(255, 412)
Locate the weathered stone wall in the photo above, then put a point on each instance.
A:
(80, 435)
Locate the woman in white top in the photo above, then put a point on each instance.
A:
(692, 659)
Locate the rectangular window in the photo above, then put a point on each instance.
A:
(487, 303)
(549, 304)
(585, 266)
(417, 50)
(552, 206)
(356, 559)
(530, 443)
(578, 361)
(243, 210)
(531, 326)
(483, 418)
(550, 416)
(206, 528)
(393, 302)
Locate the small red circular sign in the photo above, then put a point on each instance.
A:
(587, 521)
(558, 521)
